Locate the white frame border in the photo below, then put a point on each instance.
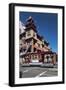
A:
(42, 79)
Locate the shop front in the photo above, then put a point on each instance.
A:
(46, 57)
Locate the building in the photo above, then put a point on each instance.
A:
(33, 47)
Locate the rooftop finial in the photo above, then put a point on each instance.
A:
(30, 17)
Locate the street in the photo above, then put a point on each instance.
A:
(28, 72)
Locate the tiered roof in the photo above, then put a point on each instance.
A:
(30, 24)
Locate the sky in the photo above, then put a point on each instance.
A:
(47, 26)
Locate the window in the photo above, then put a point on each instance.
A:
(38, 45)
(33, 34)
(35, 57)
(28, 33)
(34, 49)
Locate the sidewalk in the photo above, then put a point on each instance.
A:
(46, 65)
